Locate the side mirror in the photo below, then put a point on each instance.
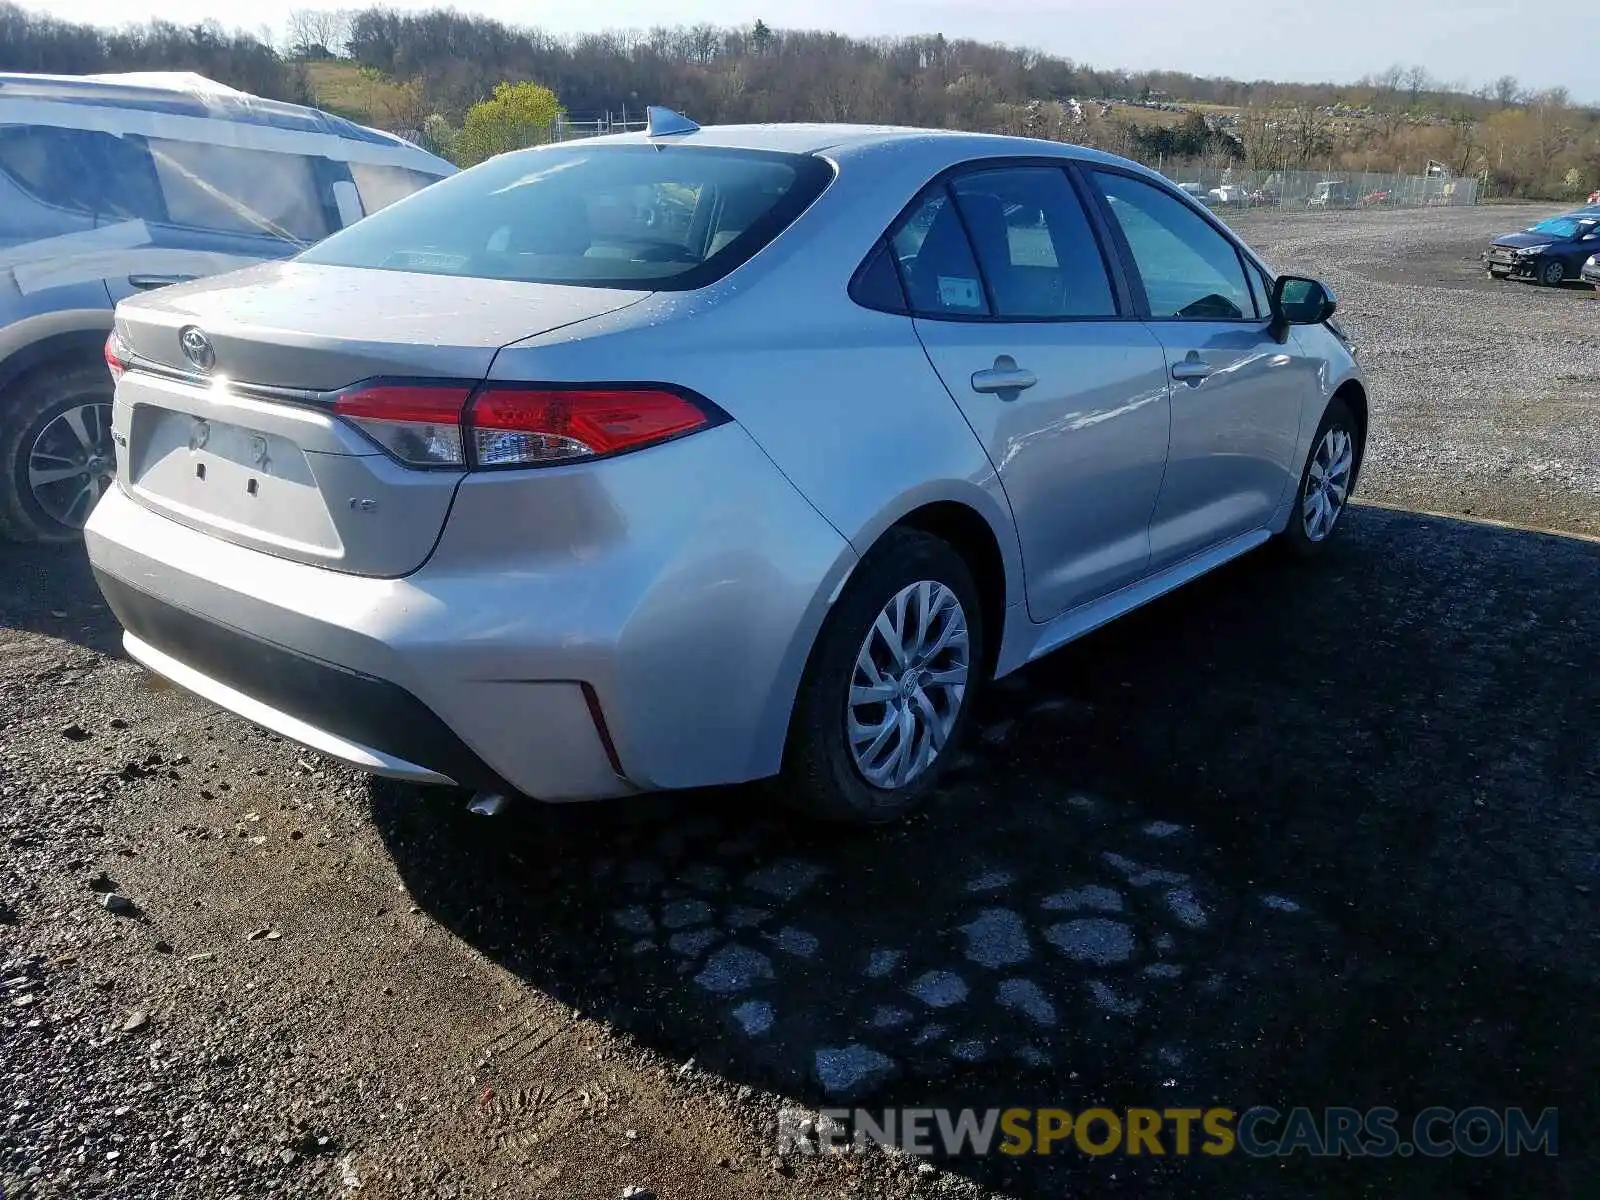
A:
(1300, 301)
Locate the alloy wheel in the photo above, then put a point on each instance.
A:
(72, 463)
(908, 686)
(1327, 483)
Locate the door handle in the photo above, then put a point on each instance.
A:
(146, 282)
(1192, 370)
(1004, 376)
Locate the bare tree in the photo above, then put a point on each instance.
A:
(1308, 134)
(1417, 81)
(317, 32)
(1264, 140)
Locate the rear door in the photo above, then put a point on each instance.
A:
(1238, 394)
(1066, 389)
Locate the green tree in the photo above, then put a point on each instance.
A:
(517, 115)
(761, 36)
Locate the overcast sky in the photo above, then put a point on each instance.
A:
(1471, 41)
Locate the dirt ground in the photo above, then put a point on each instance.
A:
(1298, 836)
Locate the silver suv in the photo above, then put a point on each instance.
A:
(114, 185)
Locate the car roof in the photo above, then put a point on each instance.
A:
(803, 138)
(180, 93)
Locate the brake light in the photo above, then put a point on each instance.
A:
(116, 356)
(517, 425)
(420, 424)
(522, 426)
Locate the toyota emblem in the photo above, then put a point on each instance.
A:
(197, 347)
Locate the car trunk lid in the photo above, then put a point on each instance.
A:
(234, 432)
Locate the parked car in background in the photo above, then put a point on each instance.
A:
(115, 185)
(1377, 199)
(479, 492)
(1228, 193)
(1591, 271)
(1195, 189)
(1331, 193)
(1550, 252)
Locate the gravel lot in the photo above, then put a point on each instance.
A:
(1486, 394)
(1297, 836)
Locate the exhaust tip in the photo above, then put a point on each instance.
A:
(488, 804)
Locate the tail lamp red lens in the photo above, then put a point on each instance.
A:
(116, 356)
(420, 424)
(518, 425)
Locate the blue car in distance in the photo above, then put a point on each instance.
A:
(1550, 252)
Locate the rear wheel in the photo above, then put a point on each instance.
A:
(888, 692)
(56, 453)
(1325, 483)
(1553, 273)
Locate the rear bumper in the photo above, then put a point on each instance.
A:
(577, 633)
(367, 722)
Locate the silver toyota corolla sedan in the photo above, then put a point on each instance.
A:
(708, 455)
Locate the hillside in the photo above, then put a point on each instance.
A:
(424, 71)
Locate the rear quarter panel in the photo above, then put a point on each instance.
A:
(841, 398)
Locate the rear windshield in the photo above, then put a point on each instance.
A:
(632, 216)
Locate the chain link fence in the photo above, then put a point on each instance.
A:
(1237, 187)
(1228, 186)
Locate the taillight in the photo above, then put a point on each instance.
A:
(420, 424)
(517, 425)
(523, 426)
(116, 356)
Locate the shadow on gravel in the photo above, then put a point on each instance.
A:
(50, 590)
(1297, 836)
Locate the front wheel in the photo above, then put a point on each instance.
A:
(888, 691)
(1325, 483)
(1553, 273)
(56, 453)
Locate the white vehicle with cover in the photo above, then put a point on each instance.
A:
(116, 184)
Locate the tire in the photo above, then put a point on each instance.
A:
(823, 775)
(39, 434)
(1553, 273)
(1338, 440)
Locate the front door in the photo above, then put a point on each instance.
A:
(1067, 393)
(1237, 392)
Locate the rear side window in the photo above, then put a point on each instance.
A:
(380, 186)
(936, 261)
(666, 217)
(233, 190)
(1035, 244)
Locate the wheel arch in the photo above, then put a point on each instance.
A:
(63, 345)
(1354, 394)
(974, 539)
